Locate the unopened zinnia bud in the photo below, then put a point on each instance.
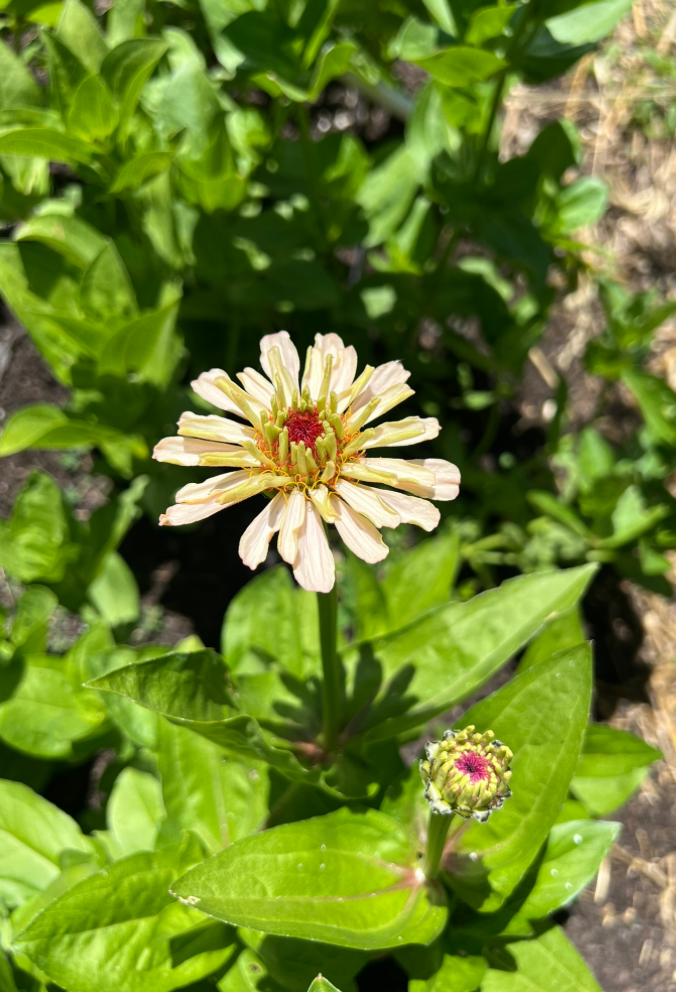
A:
(466, 773)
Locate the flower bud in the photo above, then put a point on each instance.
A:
(466, 773)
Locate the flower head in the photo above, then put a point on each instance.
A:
(306, 442)
(466, 773)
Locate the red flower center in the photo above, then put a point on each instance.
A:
(305, 427)
(475, 765)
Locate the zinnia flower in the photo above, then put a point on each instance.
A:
(307, 445)
(466, 773)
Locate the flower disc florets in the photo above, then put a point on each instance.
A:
(466, 773)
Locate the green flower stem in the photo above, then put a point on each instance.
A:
(331, 686)
(437, 832)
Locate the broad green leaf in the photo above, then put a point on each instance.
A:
(456, 974)
(205, 790)
(35, 542)
(106, 287)
(288, 633)
(488, 22)
(602, 796)
(321, 984)
(79, 30)
(448, 653)
(42, 713)
(192, 691)
(549, 964)
(541, 715)
(655, 398)
(387, 194)
(612, 765)
(125, 21)
(28, 632)
(114, 592)
(564, 631)
(43, 426)
(574, 852)
(7, 983)
(587, 22)
(135, 810)
(95, 654)
(73, 238)
(92, 115)
(127, 68)
(17, 86)
(421, 579)
(34, 835)
(120, 931)
(146, 345)
(136, 171)
(461, 65)
(45, 142)
(346, 878)
(582, 203)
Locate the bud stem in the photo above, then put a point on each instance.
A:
(331, 685)
(437, 832)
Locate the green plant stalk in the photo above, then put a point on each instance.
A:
(437, 832)
(331, 685)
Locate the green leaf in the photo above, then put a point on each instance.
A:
(602, 796)
(44, 426)
(219, 799)
(106, 287)
(147, 345)
(657, 402)
(322, 985)
(29, 627)
(549, 964)
(421, 579)
(7, 983)
(562, 632)
(541, 715)
(574, 852)
(120, 931)
(136, 171)
(17, 85)
(135, 810)
(45, 142)
(456, 974)
(587, 22)
(114, 591)
(582, 203)
(612, 765)
(78, 29)
(126, 70)
(92, 115)
(34, 835)
(386, 195)
(442, 657)
(73, 238)
(35, 542)
(461, 65)
(294, 963)
(346, 878)
(488, 22)
(289, 636)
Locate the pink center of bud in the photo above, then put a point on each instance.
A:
(475, 765)
(305, 427)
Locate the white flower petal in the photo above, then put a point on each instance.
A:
(314, 568)
(398, 433)
(389, 471)
(367, 501)
(411, 509)
(255, 541)
(214, 428)
(195, 451)
(359, 534)
(291, 523)
(257, 385)
(384, 377)
(194, 492)
(343, 368)
(205, 386)
(446, 480)
(189, 513)
(287, 348)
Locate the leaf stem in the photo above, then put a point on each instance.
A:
(331, 685)
(437, 832)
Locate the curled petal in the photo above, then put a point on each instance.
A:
(205, 386)
(255, 541)
(384, 377)
(359, 534)
(314, 568)
(194, 451)
(321, 497)
(446, 484)
(411, 510)
(397, 433)
(369, 502)
(291, 523)
(214, 428)
(287, 348)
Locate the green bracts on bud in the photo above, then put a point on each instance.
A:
(466, 773)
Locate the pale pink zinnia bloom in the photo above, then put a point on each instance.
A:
(309, 443)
